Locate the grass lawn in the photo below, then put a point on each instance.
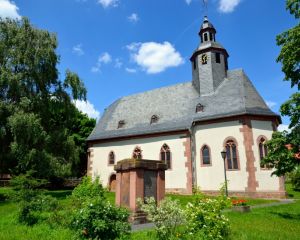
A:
(280, 222)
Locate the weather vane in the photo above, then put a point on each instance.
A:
(205, 6)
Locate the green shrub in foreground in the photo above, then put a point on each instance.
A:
(205, 218)
(201, 219)
(94, 216)
(33, 203)
(166, 217)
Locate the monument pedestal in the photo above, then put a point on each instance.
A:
(139, 178)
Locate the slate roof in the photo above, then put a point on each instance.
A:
(175, 106)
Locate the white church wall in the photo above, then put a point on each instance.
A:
(266, 183)
(175, 177)
(210, 178)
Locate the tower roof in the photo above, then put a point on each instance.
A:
(207, 25)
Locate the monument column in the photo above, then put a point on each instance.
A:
(137, 179)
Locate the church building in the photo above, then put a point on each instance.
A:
(187, 125)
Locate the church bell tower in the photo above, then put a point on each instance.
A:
(209, 61)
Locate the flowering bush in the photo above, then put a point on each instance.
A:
(205, 219)
(98, 219)
(239, 202)
(166, 217)
(94, 217)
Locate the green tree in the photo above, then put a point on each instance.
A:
(81, 129)
(279, 156)
(37, 114)
(283, 146)
(290, 47)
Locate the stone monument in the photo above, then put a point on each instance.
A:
(139, 178)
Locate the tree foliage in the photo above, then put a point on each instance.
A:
(290, 47)
(38, 121)
(279, 156)
(283, 147)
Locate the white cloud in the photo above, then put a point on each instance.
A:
(228, 6)
(155, 57)
(188, 2)
(108, 3)
(88, 108)
(104, 58)
(283, 127)
(78, 50)
(133, 46)
(271, 104)
(131, 70)
(118, 63)
(133, 18)
(8, 9)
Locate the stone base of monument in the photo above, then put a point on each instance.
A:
(139, 178)
(138, 217)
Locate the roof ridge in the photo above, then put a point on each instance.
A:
(242, 82)
(155, 89)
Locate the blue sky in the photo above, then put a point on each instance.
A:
(121, 47)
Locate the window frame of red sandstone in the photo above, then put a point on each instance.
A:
(140, 149)
(108, 161)
(229, 139)
(202, 164)
(165, 152)
(259, 141)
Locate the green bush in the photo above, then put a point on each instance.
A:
(3, 197)
(166, 217)
(94, 217)
(205, 219)
(295, 179)
(88, 189)
(33, 204)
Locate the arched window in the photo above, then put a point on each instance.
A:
(231, 155)
(263, 151)
(218, 58)
(205, 37)
(165, 155)
(211, 36)
(205, 156)
(199, 108)
(154, 119)
(111, 158)
(137, 153)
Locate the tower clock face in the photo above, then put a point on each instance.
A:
(204, 59)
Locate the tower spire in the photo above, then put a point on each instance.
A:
(205, 6)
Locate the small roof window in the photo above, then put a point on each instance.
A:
(199, 108)
(154, 119)
(121, 124)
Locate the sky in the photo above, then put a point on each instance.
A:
(122, 47)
